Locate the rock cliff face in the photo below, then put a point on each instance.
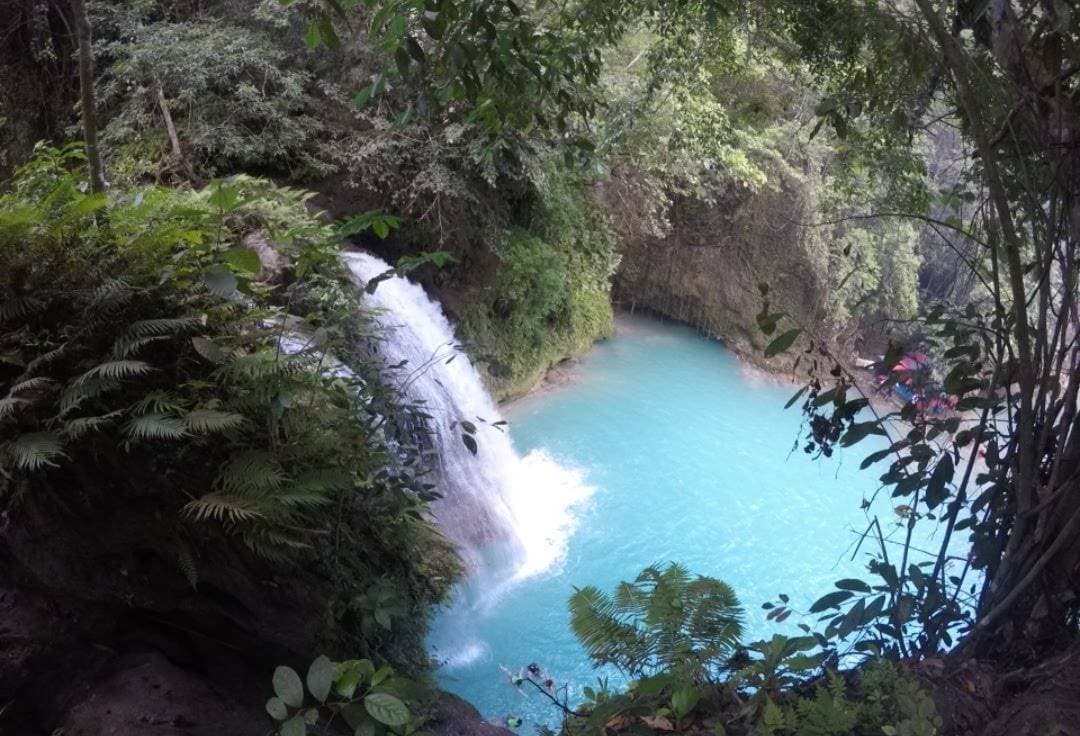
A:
(706, 270)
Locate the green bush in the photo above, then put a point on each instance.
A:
(549, 296)
(370, 700)
(676, 635)
(141, 344)
(532, 284)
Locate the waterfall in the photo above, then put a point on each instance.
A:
(509, 515)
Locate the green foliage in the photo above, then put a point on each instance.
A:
(781, 663)
(372, 702)
(664, 621)
(883, 701)
(532, 283)
(143, 351)
(238, 95)
(548, 297)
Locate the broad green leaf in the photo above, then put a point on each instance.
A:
(798, 395)
(244, 260)
(782, 343)
(220, 281)
(852, 584)
(936, 489)
(684, 700)
(380, 676)
(276, 708)
(350, 674)
(355, 715)
(832, 600)
(859, 431)
(470, 442)
(320, 678)
(873, 458)
(224, 197)
(295, 726)
(803, 662)
(386, 709)
(288, 687)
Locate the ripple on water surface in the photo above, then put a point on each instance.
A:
(688, 457)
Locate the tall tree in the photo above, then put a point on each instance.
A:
(88, 101)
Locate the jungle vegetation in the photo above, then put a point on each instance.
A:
(568, 156)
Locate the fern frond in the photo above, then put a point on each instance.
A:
(297, 497)
(665, 620)
(273, 543)
(163, 326)
(110, 293)
(156, 427)
(42, 360)
(156, 402)
(206, 421)
(33, 451)
(251, 472)
(76, 394)
(80, 426)
(224, 507)
(10, 405)
(600, 626)
(20, 307)
(115, 370)
(186, 560)
(31, 384)
(128, 346)
(257, 366)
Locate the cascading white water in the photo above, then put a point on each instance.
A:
(508, 514)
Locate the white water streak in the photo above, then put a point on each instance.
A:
(504, 511)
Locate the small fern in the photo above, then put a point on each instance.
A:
(75, 395)
(253, 472)
(32, 451)
(223, 507)
(208, 421)
(828, 713)
(80, 426)
(114, 370)
(156, 427)
(186, 561)
(665, 620)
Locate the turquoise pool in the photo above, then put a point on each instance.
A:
(690, 457)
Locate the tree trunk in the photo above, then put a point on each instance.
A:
(88, 100)
(1030, 595)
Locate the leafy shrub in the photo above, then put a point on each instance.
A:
(370, 701)
(532, 283)
(143, 352)
(549, 297)
(674, 634)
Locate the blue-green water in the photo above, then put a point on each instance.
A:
(690, 457)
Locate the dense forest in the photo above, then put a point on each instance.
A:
(222, 510)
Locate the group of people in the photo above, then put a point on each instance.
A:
(914, 383)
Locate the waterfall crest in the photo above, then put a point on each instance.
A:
(509, 515)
